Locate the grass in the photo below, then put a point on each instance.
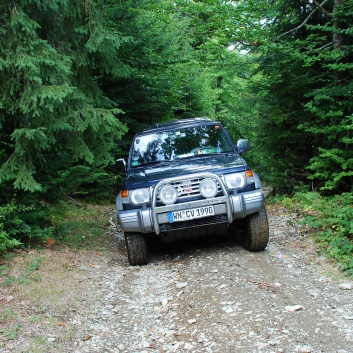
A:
(7, 314)
(12, 332)
(80, 226)
(40, 288)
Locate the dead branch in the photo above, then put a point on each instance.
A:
(321, 9)
(325, 46)
(318, 7)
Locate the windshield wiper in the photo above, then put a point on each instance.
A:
(151, 163)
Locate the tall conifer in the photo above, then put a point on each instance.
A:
(52, 110)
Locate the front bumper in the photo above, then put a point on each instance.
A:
(155, 219)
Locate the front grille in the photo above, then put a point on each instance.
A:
(168, 227)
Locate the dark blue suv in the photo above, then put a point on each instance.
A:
(186, 179)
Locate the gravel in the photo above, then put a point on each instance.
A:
(213, 296)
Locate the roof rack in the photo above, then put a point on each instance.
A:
(177, 122)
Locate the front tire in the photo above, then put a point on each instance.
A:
(137, 249)
(256, 235)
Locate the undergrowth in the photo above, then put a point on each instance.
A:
(76, 226)
(331, 219)
(70, 224)
(21, 224)
(42, 282)
(79, 225)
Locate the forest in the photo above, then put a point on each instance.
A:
(80, 78)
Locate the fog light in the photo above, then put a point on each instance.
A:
(208, 188)
(168, 195)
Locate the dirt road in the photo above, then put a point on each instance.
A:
(205, 296)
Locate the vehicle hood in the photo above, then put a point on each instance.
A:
(151, 174)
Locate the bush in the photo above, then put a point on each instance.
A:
(6, 242)
(331, 218)
(16, 228)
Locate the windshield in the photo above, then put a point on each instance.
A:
(180, 143)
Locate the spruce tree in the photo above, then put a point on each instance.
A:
(53, 113)
(306, 107)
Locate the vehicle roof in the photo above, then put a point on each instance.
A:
(179, 123)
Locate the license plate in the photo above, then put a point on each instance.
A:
(186, 215)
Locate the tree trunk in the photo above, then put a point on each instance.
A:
(338, 38)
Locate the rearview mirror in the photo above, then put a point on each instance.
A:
(120, 165)
(243, 145)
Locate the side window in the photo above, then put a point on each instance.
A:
(226, 145)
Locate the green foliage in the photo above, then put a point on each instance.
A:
(181, 64)
(19, 223)
(90, 183)
(158, 54)
(305, 117)
(6, 241)
(58, 128)
(72, 224)
(11, 226)
(77, 75)
(331, 218)
(12, 333)
(51, 57)
(219, 73)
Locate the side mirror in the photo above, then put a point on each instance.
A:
(243, 145)
(120, 165)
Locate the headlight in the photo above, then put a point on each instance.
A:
(168, 194)
(235, 181)
(139, 196)
(208, 188)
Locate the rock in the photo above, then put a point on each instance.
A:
(293, 308)
(194, 332)
(305, 349)
(346, 286)
(180, 285)
(145, 344)
(180, 293)
(228, 310)
(164, 301)
(188, 346)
